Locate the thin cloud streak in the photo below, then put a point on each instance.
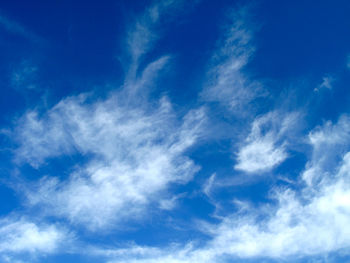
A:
(18, 29)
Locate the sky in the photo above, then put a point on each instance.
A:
(174, 131)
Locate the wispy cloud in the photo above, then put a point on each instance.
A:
(227, 83)
(170, 203)
(209, 184)
(265, 147)
(143, 33)
(135, 147)
(331, 138)
(24, 76)
(136, 153)
(146, 30)
(327, 83)
(141, 37)
(311, 221)
(18, 29)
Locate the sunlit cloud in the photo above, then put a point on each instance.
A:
(265, 147)
(128, 171)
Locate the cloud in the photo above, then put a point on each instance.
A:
(226, 83)
(136, 89)
(304, 223)
(209, 184)
(144, 254)
(146, 30)
(171, 203)
(265, 147)
(141, 37)
(310, 222)
(135, 154)
(133, 147)
(142, 34)
(327, 82)
(18, 29)
(260, 155)
(24, 76)
(18, 236)
(331, 138)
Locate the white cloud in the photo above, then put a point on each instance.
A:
(146, 30)
(265, 147)
(18, 236)
(330, 135)
(327, 82)
(136, 90)
(209, 184)
(135, 151)
(226, 83)
(333, 139)
(260, 155)
(144, 254)
(170, 203)
(135, 148)
(309, 222)
(142, 33)
(141, 37)
(135, 154)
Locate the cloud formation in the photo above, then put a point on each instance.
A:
(227, 83)
(265, 147)
(20, 236)
(129, 150)
(135, 147)
(306, 222)
(135, 154)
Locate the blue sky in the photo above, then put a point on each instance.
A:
(174, 131)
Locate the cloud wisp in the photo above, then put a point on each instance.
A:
(24, 76)
(18, 29)
(136, 154)
(265, 147)
(227, 83)
(327, 83)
